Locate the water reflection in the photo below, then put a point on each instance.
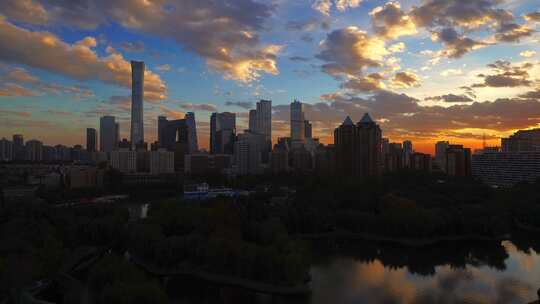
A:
(486, 272)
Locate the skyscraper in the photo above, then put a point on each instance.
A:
(91, 140)
(162, 123)
(358, 147)
(458, 161)
(137, 94)
(222, 132)
(407, 152)
(307, 129)
(6, 150)
(171, 132)
(192, 132)
(108, 134)
(34, 150)
(247, 153)
(297, 123)
(440, 154)
(253, 120)
(264, 119)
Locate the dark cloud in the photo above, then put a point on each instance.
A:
(370, 83)
(390, 21)
(506, 75)
(455, 44)
(199, 107)
(405, 80)
(451, 98)
(512, 32)
(533, 17)
(241, 104)
(531, 95)
(299, 58)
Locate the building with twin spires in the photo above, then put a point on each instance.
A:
(358, 148)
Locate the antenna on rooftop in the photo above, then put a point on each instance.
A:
(484, 141)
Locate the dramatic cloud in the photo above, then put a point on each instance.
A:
(512, 32)
(199, 107)
(451, 98)
(533, 17)
(46, 51)
(225, 33)
(26, 11)
(506, 75)
(455, 44)
(370, 83)
(531, 95)
(241, 104)
(405, 80)
(349, 51)
(390, 21)
(13, 90)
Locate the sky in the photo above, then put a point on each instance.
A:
(425, 70)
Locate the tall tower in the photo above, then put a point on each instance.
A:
(192, 132)
(91, 140)
(297, 122)
(137, 93)
(264, 118)
(108, 134)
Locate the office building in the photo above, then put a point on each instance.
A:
(172, 131)
(394, 158)
(124, 160)
(385, 146)
(407, 152)
(161, 161)
(420, 162)
(91, 140)
(522, 141)
(279, 158)
(108, 134)
(358, 147)
(301, 159)
(325, 160)
(137, 95)
(205, 164)
(247, 153)
(162, 123)
(34, 150)
(297, 123)
(253, 121)
(307, 129)
(458, 161)
(506, 168)
(6, 150)
(222, 132)
(192, 132)
(18, 147)
(63, 153)
(440, 154)
(264, 119)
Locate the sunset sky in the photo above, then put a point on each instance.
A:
(426, 70)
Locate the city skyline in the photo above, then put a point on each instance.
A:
(425, 72)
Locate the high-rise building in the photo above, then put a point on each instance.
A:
(407, 152)
(6, 150)
(394, 158)
(307, 129)
(162, 124)
(279, 159)
(172, 131)
(222, 132)
(264, 119)
(458, 161)
(124, 160)
(34, 150)
(204, 164)
(297, 122)
(108, 134)
(522, 141)
(358, 147)
(385, 146)
(506, 168)
(192, 132)
(91, 140)
(440, 154)
(161, 161)
(247, 153)
(18, 147)
(325, 160)
(137, 95)
(253, 121)
(420, 162)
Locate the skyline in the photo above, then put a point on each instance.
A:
(425, 70)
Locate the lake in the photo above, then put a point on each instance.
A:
(487, 272)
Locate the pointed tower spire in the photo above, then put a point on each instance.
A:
(366, 119)
(347, 122)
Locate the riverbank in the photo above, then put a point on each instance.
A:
(411, 242)
(296, 290)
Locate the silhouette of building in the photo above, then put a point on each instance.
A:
(172, 131)
(204, 164)
(407, 152)
(18, 147)
(440, 154)
(522, 141)
(394, 158)
(458, 161)
(247, 153)
(420, 162)
(91, 140)
(124, 160)
(253, 121)
(34, 150)
(506, 168)
(6, 150)
(300, 159)
(192, 132)
(307, 129)
(222, 132)
(137, 95)
(108, 134)
(161, 161)
(358, 147)
(279, 158)
(297, 123)
(325, 160)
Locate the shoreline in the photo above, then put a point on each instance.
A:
(257, 286)
(411, 242)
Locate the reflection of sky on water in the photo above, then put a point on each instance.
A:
(345, 280)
